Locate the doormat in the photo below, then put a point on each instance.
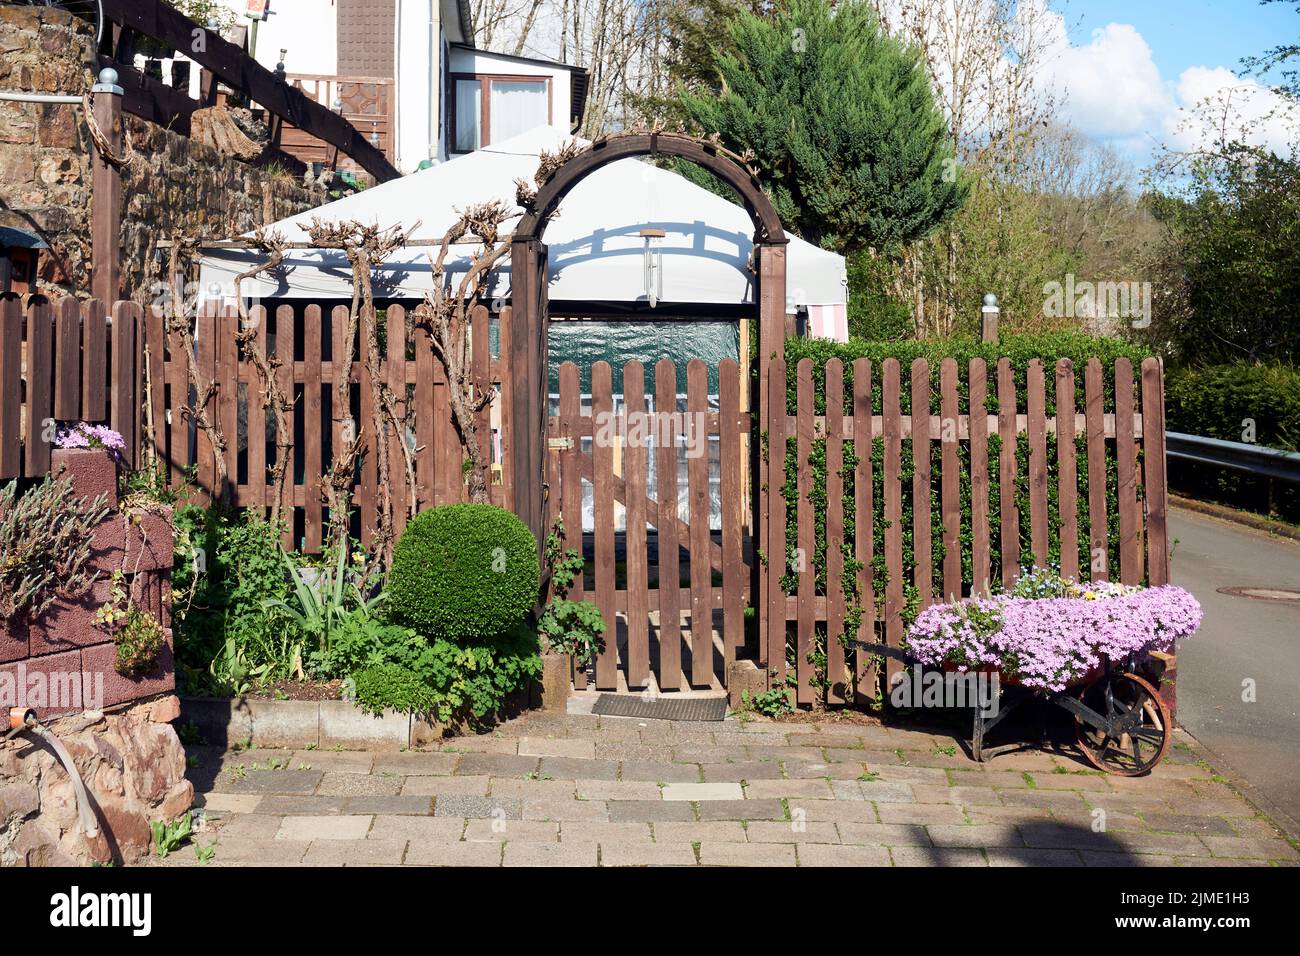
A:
(660, 708)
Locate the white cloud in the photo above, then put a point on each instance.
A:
(1253, 112)
(1113, 91)
(1111, 85)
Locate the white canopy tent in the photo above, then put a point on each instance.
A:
(597, 251)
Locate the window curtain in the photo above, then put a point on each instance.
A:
(469, 102)
(516, 107)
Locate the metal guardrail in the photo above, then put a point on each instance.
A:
(1239, 456)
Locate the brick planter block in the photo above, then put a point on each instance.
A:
(50, 685)
(70, 624)
(92, 470)
(148, 545)
(13, 639)
(102, 659)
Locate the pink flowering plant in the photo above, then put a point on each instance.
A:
(1048, 631)
(86, 435)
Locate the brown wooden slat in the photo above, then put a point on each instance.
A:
(979, 478)
(806, 529)
(94, 373)
(950, 490)
(835, 675)
(227, 397)
(774, 639)
(481, 368)
(734, 572)
(313, 428)
(868, 679)
(1098, 533)
(1067, 495)
(285, 337)
(697, 480)
(178, 425)
(505, 376)
(40, 387)
(424, 420)
(257, 495)
(369, 490)
(67, 360)
(670, 641)
(11, 386)
(445, 482)
(205, 356)
(1130, 555)
(154, 356)
(396, 380)
(602, 453)
(571, 490)
(1035, 401)
(638, 573)
(893, 492)
(1007, 473)
(1153, 460)
(923, 572)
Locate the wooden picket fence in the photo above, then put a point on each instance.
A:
(309, 343)
(63, 361)
(1114, 437)
(1048, 471)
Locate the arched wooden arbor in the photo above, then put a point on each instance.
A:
(530, 304)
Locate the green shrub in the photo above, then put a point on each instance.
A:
(1237, 402)
(440, 679)
(228, 568)
(464, 572)
(45, 545)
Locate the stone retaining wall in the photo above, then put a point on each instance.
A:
(133, 766)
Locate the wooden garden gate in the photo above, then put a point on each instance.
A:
(679, 569)
(533, 475)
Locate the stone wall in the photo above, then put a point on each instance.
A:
(172, 185)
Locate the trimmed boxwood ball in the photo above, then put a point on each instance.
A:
(464, 572)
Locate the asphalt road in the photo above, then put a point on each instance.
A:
(1243, 639)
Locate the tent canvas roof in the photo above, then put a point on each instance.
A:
(596, 251)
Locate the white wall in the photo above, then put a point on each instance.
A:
(419, 50)
(480, 61)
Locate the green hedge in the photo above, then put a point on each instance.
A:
(1222, 401)
(1020, 349)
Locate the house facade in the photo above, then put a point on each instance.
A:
(408, 73)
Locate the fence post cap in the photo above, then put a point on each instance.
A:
(107, 82)
(990, 302)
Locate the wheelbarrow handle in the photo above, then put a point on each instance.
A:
(884, 650)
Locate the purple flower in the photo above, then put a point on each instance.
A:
(1048, 642)
(85, 435)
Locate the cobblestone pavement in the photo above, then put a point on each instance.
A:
(563, 790)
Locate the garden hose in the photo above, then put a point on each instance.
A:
(23, 719)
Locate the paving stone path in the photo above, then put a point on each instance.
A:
(568, 790)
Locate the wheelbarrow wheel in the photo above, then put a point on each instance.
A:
(1148, 726)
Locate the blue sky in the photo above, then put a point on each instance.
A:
(1133, 71)
(1185, 33)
